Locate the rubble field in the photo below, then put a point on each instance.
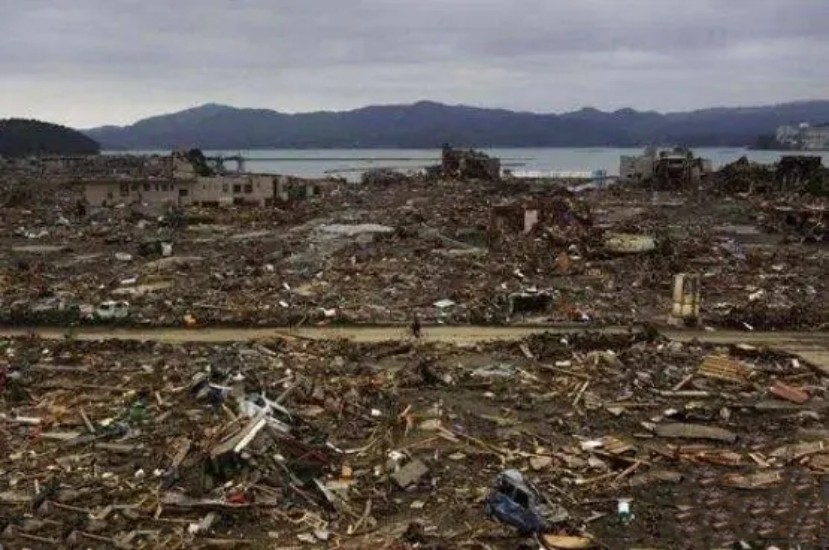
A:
(600, 441)
(447, 251)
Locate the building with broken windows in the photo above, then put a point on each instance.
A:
(665, 169)
(804, 137)
(185, 179)
(254, 189)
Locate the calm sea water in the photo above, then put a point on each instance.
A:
(351, 163)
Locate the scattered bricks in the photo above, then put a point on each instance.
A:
(788, 393)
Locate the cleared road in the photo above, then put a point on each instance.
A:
(811, 346)
(449, 334)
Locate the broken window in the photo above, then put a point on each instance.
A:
(183, 192)
(237, 188)
(146, 187)
(248, 189)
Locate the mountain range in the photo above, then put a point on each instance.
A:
(428, 124)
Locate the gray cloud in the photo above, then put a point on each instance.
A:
(89, 62)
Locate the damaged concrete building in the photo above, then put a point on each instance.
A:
(666, 169)
(184, 179)
(791, 174)
(553, 214)
(804, 137)
(204, 191)
(469, 164)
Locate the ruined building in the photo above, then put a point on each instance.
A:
(793, 174)
(184, 179)
(469, 164)
(666, 169)
(804, 137)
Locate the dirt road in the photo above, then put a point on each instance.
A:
(811, 345)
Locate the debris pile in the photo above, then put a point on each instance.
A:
(592, 440)
(451, 251)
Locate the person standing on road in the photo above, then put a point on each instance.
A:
(415, 327)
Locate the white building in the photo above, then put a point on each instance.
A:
(804, 137)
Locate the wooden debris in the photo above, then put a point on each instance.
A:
(684, 393)
(565, 372)
(723, 368)
(59, 436)
(89, 426)
(655, 476)
(615, 446)
(820, 462)
(580, 393)
(719, 457)
(242, 438)
(181, 454)
(567, 542)
(695, 431)
(791, 453)
(759, 460)
(682, 383)
(118, 448)
(778, 405)
(758, 480)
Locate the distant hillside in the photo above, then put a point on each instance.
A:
(428, 124)
(19, 137)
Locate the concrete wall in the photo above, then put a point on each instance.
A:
(289, 188)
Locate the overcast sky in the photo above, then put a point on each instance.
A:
(92, 62)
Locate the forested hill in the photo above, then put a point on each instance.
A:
(428, 124)
(20, 137)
